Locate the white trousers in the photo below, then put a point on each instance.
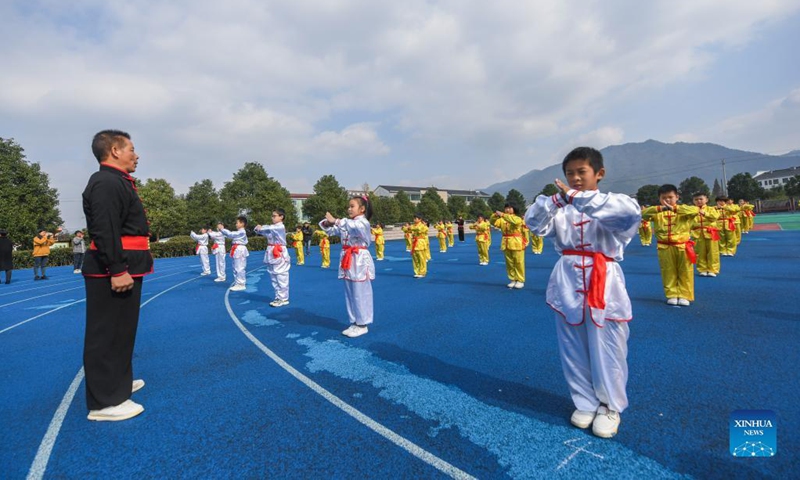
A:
(220, 264)
(204, 261)
(280, 283)
(239, 270)
(595, 363)
(358, 296)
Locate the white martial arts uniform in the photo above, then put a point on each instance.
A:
(202, 250)
(355, 234)
(277, 259)
(592, 328)
(218, 250)
(239, 254)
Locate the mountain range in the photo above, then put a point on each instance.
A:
(633, 165)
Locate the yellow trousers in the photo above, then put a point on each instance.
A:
(727, 241)
(707, 255)
(379, 251)
(420, 262)
(408, 244)
(646, 237)
(537, 244)
(738, 233)
(451, 239)
(442, 243)
(483, 252)
(301, 258)
(326, 256)
(515, 265)
(677, 273)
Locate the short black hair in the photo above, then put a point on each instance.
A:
(667, 188)
(592, 155)
(699, 194)
(105, 140)
(243, 219)
(363, 200)
(721, 199)
(512, 207)
(280, 212)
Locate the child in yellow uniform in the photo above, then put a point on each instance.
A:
(736, 210)
(727, 229)
(297, 244)
(380, 242)
(441, 236)
(747, 215)
(645, 232)
(324, 247)
(706, 236)
(407, 235)
(537, 243)
(420, 254)
(675, 249)
(451, 240)
(513, 244)
(482, 239)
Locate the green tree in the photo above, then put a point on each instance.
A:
(479, 207)
(515, 199)
(690, 186)
(456, 206)
(743, 185)
(165, 212)
(27, 203)
(647, 195)
(406, 208)
(255, 194)
(792, 186)
(497, 201)
(716, 191)
(202, 205)
(385, 210)
(432, 207)
(328, 196)
(549, 190)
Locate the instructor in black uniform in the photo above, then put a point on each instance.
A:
(113, 268)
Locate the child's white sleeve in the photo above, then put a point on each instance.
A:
(616, 212)
(541, 215)
(333, 230)
(194, 236)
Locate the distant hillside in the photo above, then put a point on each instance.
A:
(632, 165)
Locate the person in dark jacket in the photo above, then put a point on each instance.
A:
(6, 255)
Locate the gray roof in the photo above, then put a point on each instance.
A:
(782, 173)
(396, 188)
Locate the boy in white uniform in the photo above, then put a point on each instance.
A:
(239, 253)
(202, 249)
(589, 229)
(218, 250)
(277, 257)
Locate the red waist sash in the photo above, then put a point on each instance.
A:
(130, 242)
(690, 253)
(347, 258)
(597, 281)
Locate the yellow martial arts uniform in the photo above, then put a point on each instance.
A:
(537, 244)
(727, 231)
(380, 242)
(674, 248)
(297, 244)
(451, 239)
(738, 224)
(645, 233)
(482, 239)
(324, 247)
(420, 254)
(705, 232)
(748, 217)
(407, 236)
(513, 244)
(442, 236)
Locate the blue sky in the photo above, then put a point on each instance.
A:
(446, 93)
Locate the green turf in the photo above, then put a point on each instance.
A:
(787, 221)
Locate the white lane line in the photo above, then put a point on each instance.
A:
(39, 464)
(41, 315)
(376, 427)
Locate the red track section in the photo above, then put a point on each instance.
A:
(767, 226)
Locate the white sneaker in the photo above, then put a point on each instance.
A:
(672, 301)
(238, 288)
(219, 279)
(356, 331)
(123, 411)
(205, 273)
(279, 303)
(79, 271)
(417, 276)
(137, 385)
(76, 271)
(582, 419)
(346, 331)
(702, 274)
(711, 274)
(512, 285)
(606, 423)
(683, 302)
(519, 285)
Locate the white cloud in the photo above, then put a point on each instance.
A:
(360, 139)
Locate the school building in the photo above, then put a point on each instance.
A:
(775, 178)
(416, 193)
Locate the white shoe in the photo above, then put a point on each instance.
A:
(356, 331)
(123, 411)
(512, 285)
(672, 301)
(205, 273)
(238, 288)
(519, 285)
(417, 276)
(582, 419)
(346, 331)
(606, 423)
(683, 302)
(279, 303)
(219, 279)
(76, 271)
(711, 274)
(137, 385)
(702, 274)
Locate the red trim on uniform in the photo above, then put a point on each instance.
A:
(564, 316)
(130, 242)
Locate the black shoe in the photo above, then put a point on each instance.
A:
(37, 277)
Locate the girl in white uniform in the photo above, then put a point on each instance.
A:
(277, 257)
(355, 267)
(202, 249)
(587, 288)
(218, 250)
(239, 253)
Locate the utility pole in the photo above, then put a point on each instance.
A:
(724, 180)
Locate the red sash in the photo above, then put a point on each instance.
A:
(233, 248)
(214, 247)
(414, 243)
(690, 253)
(347, 258)
(324, 243)
(713, 231)
(130, 242)
(597, 281)
(197, 248)
(277, 249)
(731, 224)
